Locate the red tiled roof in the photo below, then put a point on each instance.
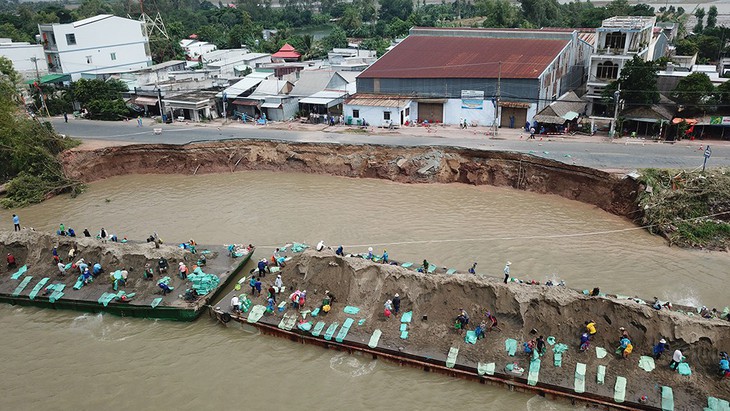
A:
(287, 47)
(286, 55)
(465, 57)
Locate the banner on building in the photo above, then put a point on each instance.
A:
(719, 121)
(472, 99)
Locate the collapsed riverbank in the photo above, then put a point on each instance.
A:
(520, 308)
(613, 193)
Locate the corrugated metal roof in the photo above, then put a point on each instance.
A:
(377, 100)
(555, 112)
(240, 87)
(465, 57)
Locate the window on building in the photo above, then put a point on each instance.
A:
(355, 113)
(386, 115)
(113, 56)
(88, 59)
(615, 40)
(71, 39)
(408, 111)
(607, 71)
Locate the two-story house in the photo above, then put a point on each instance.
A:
(94, 45)
(618, 40)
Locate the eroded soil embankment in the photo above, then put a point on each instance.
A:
(402, 164)
(552, 311)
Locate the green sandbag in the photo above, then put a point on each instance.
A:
(619, 391)
(351, 310)
(451, 271)
(601, 352)
(451, 357)
(256, 313)
(404, 327)
(404, 335)
(406, 265)
(68, 266)
(534, 373)
(683, 369)
(361, 322)
(406, 317)
(55, 296)
(79, 284)
(102, 298)
(510, 345)
(315, 312)
(318, 328)
(20, 272)
(646, 363)
(375, 338)
(579, 384)
(21, 286)
(471, 337)
(331, 331)
(38, 288)
(716, 404)
(156, 302)
(551, 340)
(288, 321)
(432, 268)
(601, 376)
(305, 326)
(487, 369)
(558, 359)
(667, 399)
(344, 330)
(274, 270)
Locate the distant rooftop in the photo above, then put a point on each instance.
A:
(628, 22)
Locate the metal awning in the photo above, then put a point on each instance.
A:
(240, 102)
(327, 98)
(144, 101)
(431, 100)
(51, 78)
(271, 105)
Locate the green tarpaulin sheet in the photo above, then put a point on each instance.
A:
(667, 399)
(601, 352)
(38, 288)
(510, 345)
(256, 313)
(288, 321)
(20, 272)
(451, 357)
(646, 363)
(331, 331)
(558, 351)
(406, 317)
(487, 369)
(601, 376)
(375, 338)
(156, 302)
(534, 373)
(619, 390)
(579, 383)
(716, 404)
(471, 337)
(21, 286)
(318, 328)
(344, 330)
(351, 310)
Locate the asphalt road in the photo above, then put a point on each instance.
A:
(594, 153)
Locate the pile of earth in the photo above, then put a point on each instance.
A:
(551, 311)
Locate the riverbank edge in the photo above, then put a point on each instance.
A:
(429, 364)
(614, 193)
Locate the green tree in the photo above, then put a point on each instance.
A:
(712, 17)
(91, 8)
(7, 30)
(637, 83)
(336, 39)
(686, 47)
(395, 9)
(101, 98)
(723, 93)
(618, 8)
(541, 13)
(498, 13)
(700, 15)
(351, 20)
(397, 28)
(694, 91)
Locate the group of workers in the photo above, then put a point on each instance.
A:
(488, 323)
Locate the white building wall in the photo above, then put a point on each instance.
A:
(374, 115)
(21, 54)
(453, 112)
(109, 43)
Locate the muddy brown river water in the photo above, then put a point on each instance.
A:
(69, 360)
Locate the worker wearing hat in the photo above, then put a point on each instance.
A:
(506, 271)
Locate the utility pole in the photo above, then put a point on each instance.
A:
(616, 99)
(497, 97)
(38, 86)
(37, 73)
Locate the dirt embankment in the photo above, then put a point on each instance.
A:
(402, 164)
(552, 311)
